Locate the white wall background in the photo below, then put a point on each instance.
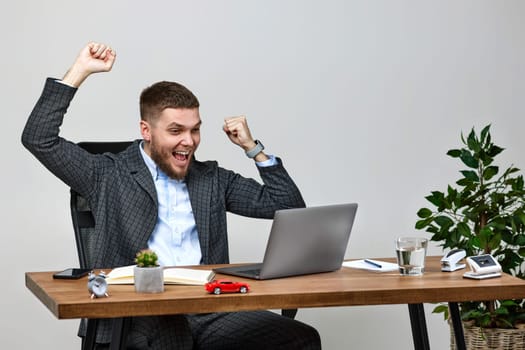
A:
(361, 99)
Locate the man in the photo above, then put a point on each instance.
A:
(156, 194)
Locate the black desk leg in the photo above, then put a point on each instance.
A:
(419, 326)
(120, 333)
(88, 343)
(458, 327)
(290, 313)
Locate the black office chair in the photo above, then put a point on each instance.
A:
(83, 220)
(84, 224)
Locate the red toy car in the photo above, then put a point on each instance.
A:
(225, 286)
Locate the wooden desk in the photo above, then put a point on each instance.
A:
(68, 299)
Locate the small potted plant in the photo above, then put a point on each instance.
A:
(148, 275)
(483, 214)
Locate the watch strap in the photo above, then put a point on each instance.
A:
(259, 147)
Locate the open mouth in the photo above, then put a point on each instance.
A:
(181, 155)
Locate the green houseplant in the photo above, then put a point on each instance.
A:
(148, 275)
(147, 258)
(483, 213)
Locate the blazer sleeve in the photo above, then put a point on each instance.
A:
(248, 197)
(69, 162)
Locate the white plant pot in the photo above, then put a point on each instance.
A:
(148, 279)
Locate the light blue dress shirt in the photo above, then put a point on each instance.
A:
(175, 238)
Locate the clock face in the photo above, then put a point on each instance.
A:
(97, 285)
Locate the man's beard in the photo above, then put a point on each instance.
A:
(162, 161)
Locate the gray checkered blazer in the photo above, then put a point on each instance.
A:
(121, 192)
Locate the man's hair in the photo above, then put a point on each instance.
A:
(165, 94)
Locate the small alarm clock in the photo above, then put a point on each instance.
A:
(97, 285)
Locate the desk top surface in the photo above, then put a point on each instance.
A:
(346, 287)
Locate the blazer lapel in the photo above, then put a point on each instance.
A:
(140, 172)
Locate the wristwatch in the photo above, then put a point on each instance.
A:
(259, 147)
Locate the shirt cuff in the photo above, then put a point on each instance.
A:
(64, 83)
(272, 160)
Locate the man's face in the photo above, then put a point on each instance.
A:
(172, 140)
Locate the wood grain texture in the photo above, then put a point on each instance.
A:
(68, 299)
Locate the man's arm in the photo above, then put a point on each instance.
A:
(237, 130)
(41, 137)
(246, 196)
(93, 58)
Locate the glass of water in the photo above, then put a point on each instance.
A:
(411, 252)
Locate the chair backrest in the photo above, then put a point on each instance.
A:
(81, 215)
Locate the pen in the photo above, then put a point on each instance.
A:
(373, 263)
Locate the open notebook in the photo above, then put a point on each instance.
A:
(172, 275)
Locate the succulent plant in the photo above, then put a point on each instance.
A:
(147, 258)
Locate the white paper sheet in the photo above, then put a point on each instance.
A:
(372, 265)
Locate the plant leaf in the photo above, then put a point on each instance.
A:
(424, 213)
(508, 303)
(470, 174)
(484, 134)
(441, 308)
(494, 150)
(490, 172)
(472, 141)
(464, 230)
(454, 153)
(421, 224)
(468, 159)
(444, 221)
(494, 241)
(436, 198)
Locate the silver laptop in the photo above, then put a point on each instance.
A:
(302, 241)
